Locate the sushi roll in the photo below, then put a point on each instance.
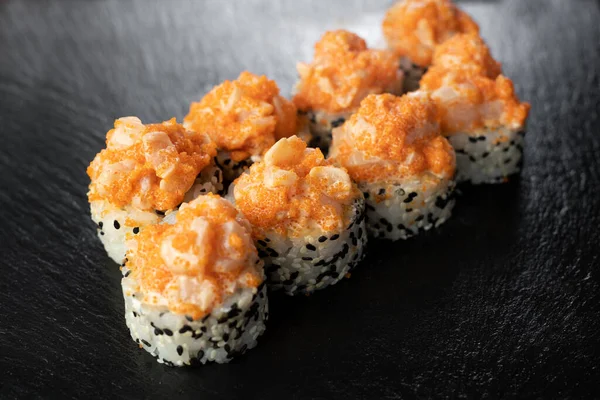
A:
(144, 172)
(480, 113)
(393, 149)
(194, 291)
(244, 117)
(306, 214)
(343, 72)
(413, 29)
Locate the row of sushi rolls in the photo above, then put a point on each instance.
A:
(255, 191)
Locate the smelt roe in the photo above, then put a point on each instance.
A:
(245, 116)
(295, 190)
(150, 167)
(343, 72)
(466, 52)
(392, 137)
(468, 102)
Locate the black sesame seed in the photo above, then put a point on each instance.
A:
(168, 332)
(262, 243)
(116, 224)
(335, 237)
(322, 239)
(311, 247)
(381, 191)
(273, 253)
(482, 138)
(484, 155)
(408, 210)
(146, 343)
(160, 212)
(337, 122)
(227, 162)
(127, 273)
(366, 195)
(440, 202)
(135, 314)
(184, 329)
(200, 355)
(473, 139)
(472, 159)
(508, 160)
(101, 233)
(307, 258)
(100, 224)
(225, 337)
(179, 350)
(189, 318)
(158, 331)
(136, 230)
(420, 218)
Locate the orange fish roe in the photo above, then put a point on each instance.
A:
(295, 190)
(393, 137)
(245, 116)
(468, 102)
(468, 52)
(343, 72)
(148, 166)
(194, 264)
(413, 28)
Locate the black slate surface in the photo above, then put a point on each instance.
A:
(502, 301)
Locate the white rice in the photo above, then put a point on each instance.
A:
(411, 206)
(489, 156)
(308, 263)
(321, 124)
(412, 74)
(177, 340)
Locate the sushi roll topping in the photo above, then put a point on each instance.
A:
(343, 72)
(467, 52)
(191, 266)
(413, 28)
(469, 102)
(149, 167)
(245, 116)
(393, 137)
(294, 191)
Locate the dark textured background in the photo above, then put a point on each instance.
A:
(503, 300)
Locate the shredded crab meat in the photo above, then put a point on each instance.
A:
(245, 116)
(194, 264)
(150, 167)
(413, 28)
(393, 137)
(343, 72)
(294, 190)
